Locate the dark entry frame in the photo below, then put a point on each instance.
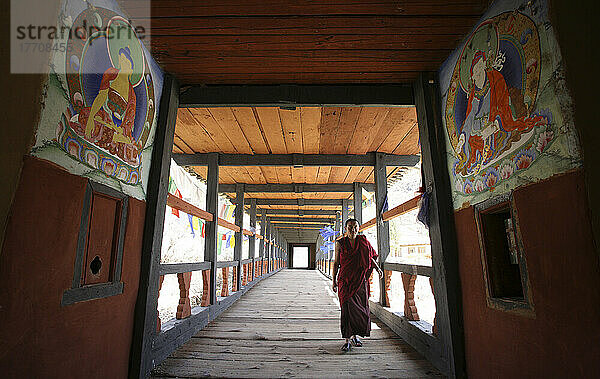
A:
(424, 94)
(312, 253)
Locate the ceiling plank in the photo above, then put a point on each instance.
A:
(271, 126)
(192, 132)
(292, 129)
(330, 119)
(369, 121)
(310, 117)
(394, 117)
(310, 174)
(247, 121)
(218, 135)
(348, 122)
(228, 123)
(323, 174)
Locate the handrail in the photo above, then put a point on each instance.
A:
(177, 268)
(184, 206)
(223, 264)
(409, 269)
(248, 260)
(399, 210)
(228, 225)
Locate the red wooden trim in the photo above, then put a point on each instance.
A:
(401, 209)
(247, 232)
(184, 206)
(228, 225)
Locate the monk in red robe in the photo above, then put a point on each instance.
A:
(355, 259)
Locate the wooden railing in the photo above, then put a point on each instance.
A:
(189, 319)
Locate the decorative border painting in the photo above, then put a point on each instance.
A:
(506, 109)
(101, 100)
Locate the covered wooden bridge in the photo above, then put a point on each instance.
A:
(291, 112)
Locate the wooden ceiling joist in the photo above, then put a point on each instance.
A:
(300, 226)
(297, 95)
(294, 188)
(296, 160)
(298, 202)
(301, 219)
(296, 212)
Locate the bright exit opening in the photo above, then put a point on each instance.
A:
(300, 259)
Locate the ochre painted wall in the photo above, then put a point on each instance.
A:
(39, 337)
(562, 339)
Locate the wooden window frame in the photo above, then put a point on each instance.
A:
(78, 291)
(523, 306)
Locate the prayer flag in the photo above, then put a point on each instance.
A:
(190, 217)
(232, 241)
(196, 223)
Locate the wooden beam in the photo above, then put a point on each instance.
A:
(357, 198)
(383, 228)
(184, 206)
(296, 95)
(210, 239)
(226, 224)
(176, 268)
(296, 160)
(296, 212)
(324, 220)
(145, 314)
(298, 202)
(444, 251)
(401, 209)
(409, 269)
(300, 226)
(239, 222)
(293, 188)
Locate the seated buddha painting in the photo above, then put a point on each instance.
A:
(109, 90)
(503, 107)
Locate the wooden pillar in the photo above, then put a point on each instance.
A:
(225, 286)
(252, 238)
(239, 221)
(345, 213)
(383, 228)
(160, 282)
(261, 246)
(184, 308)
(410, 307)
(269, 246)
(357, 198)
(210, 239)
(205, 302)
(146, 312)
(434, 328)
(444, 251)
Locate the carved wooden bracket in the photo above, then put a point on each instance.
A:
(410, 308)
(184, 308)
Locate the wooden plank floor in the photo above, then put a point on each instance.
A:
(288, 326)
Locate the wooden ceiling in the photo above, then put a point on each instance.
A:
(321, 41)
(305, 130)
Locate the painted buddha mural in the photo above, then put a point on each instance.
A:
(494, 121)
(111, 96)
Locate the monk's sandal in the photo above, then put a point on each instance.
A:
(356, 342)
(346, 347)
